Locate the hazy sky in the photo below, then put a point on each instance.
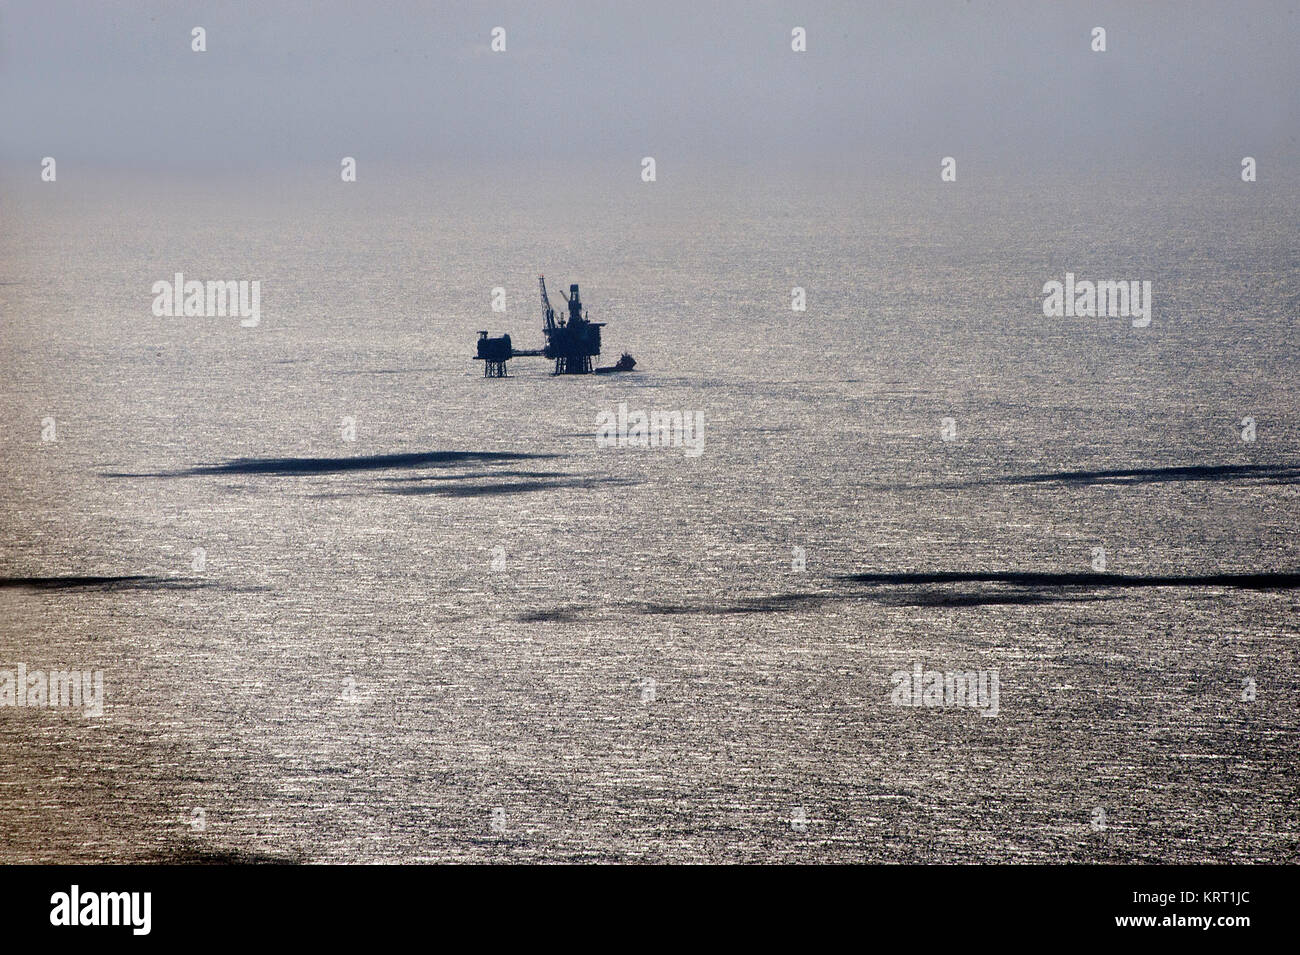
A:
(117, 83)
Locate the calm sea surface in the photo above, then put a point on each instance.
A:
(645, 677)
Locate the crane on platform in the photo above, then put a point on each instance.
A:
(548, 313)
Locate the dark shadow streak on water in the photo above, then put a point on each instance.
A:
(507, 487)
(339, 465)
(187, 856)
(569, 614)
(1264, 581)
(781, 603)
(132, 582)
(983, 598)
(917, 590)
(474, 475)
(772, 604)
(1254, 473)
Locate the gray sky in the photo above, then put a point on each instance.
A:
(116, 82)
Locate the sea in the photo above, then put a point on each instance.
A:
(353, 602)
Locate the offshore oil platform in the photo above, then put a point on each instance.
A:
(571, 342)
